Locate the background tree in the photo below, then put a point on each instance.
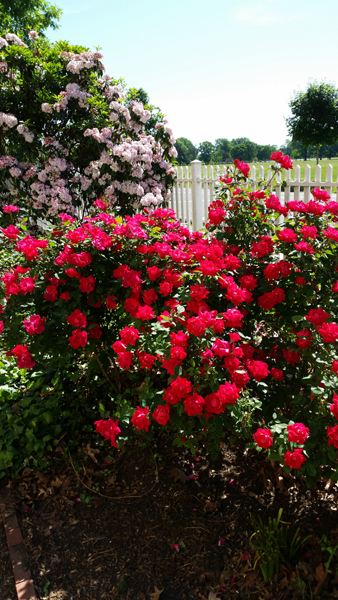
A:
(205, 151)
(314, 118)
(186, 151)
(22, 16)
(245, 151)
(264, 152)
(222, 152)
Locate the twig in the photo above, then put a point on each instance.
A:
(104, 495)
(104, 371)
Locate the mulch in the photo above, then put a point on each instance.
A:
(173, 527)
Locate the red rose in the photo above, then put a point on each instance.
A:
(146, 360)
(291, 356)
(35, 324)
(78, 338)
(297, 433)
(240, 378)
(277, 374)
(304, 339)
(149, 297)
(233, 318)
(77, 319)
(193, 405)
(87, 284)
(196, 326)
(129, 335)
(317, 316)
(109, 429)
(166, 288)
(95, 331)
(154, 273)
(161, 414)
(228, 393)
(82, 259)
(51, 293)
(140, 420)
(181, 387)
(287, 235)
(131, 305)
(294, 459)
(243, 167)
(334, 406)
(267, 301)
(64, 296)
(125, 360)
(332, 432)
(263, 438)
(111, 302)
(329, 332)
(257, 369)
(214, 403)
(145, 313)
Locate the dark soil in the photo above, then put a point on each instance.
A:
(163, 530)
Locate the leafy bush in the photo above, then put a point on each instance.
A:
(233, 329)
(69, 133)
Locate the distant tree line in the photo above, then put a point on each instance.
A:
(224, 151)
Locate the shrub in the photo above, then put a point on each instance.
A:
(69, 133)
(199, 333)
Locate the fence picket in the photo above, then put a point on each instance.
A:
(192, 194)
(296, 192)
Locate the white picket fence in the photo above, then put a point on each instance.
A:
(194, 187)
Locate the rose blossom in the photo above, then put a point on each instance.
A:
(294, 459)
(140, 420)
(263, 438)
(161, 414)
(297, 433)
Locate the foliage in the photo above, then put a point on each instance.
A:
(37, 410)
(205, 151)
(222, 151)
(245, 151)
(327, 547)
(69, 133)
(229, 329)
(186, 151)
(314, 118)
(22, 16)
(273, 546)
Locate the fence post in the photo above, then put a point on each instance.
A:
(196, 195)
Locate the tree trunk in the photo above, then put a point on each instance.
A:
(317, 152)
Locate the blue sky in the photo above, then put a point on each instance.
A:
(217, 69)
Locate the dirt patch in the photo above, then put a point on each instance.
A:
(177, 523)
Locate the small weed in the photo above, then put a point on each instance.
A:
(273, 546)
(326, 547)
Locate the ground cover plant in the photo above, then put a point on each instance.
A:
(234, 330)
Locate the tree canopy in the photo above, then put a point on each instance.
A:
(21, 16)
(314, 118)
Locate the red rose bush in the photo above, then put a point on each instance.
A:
(234, 328)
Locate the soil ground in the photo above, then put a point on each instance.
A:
(172, 522)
